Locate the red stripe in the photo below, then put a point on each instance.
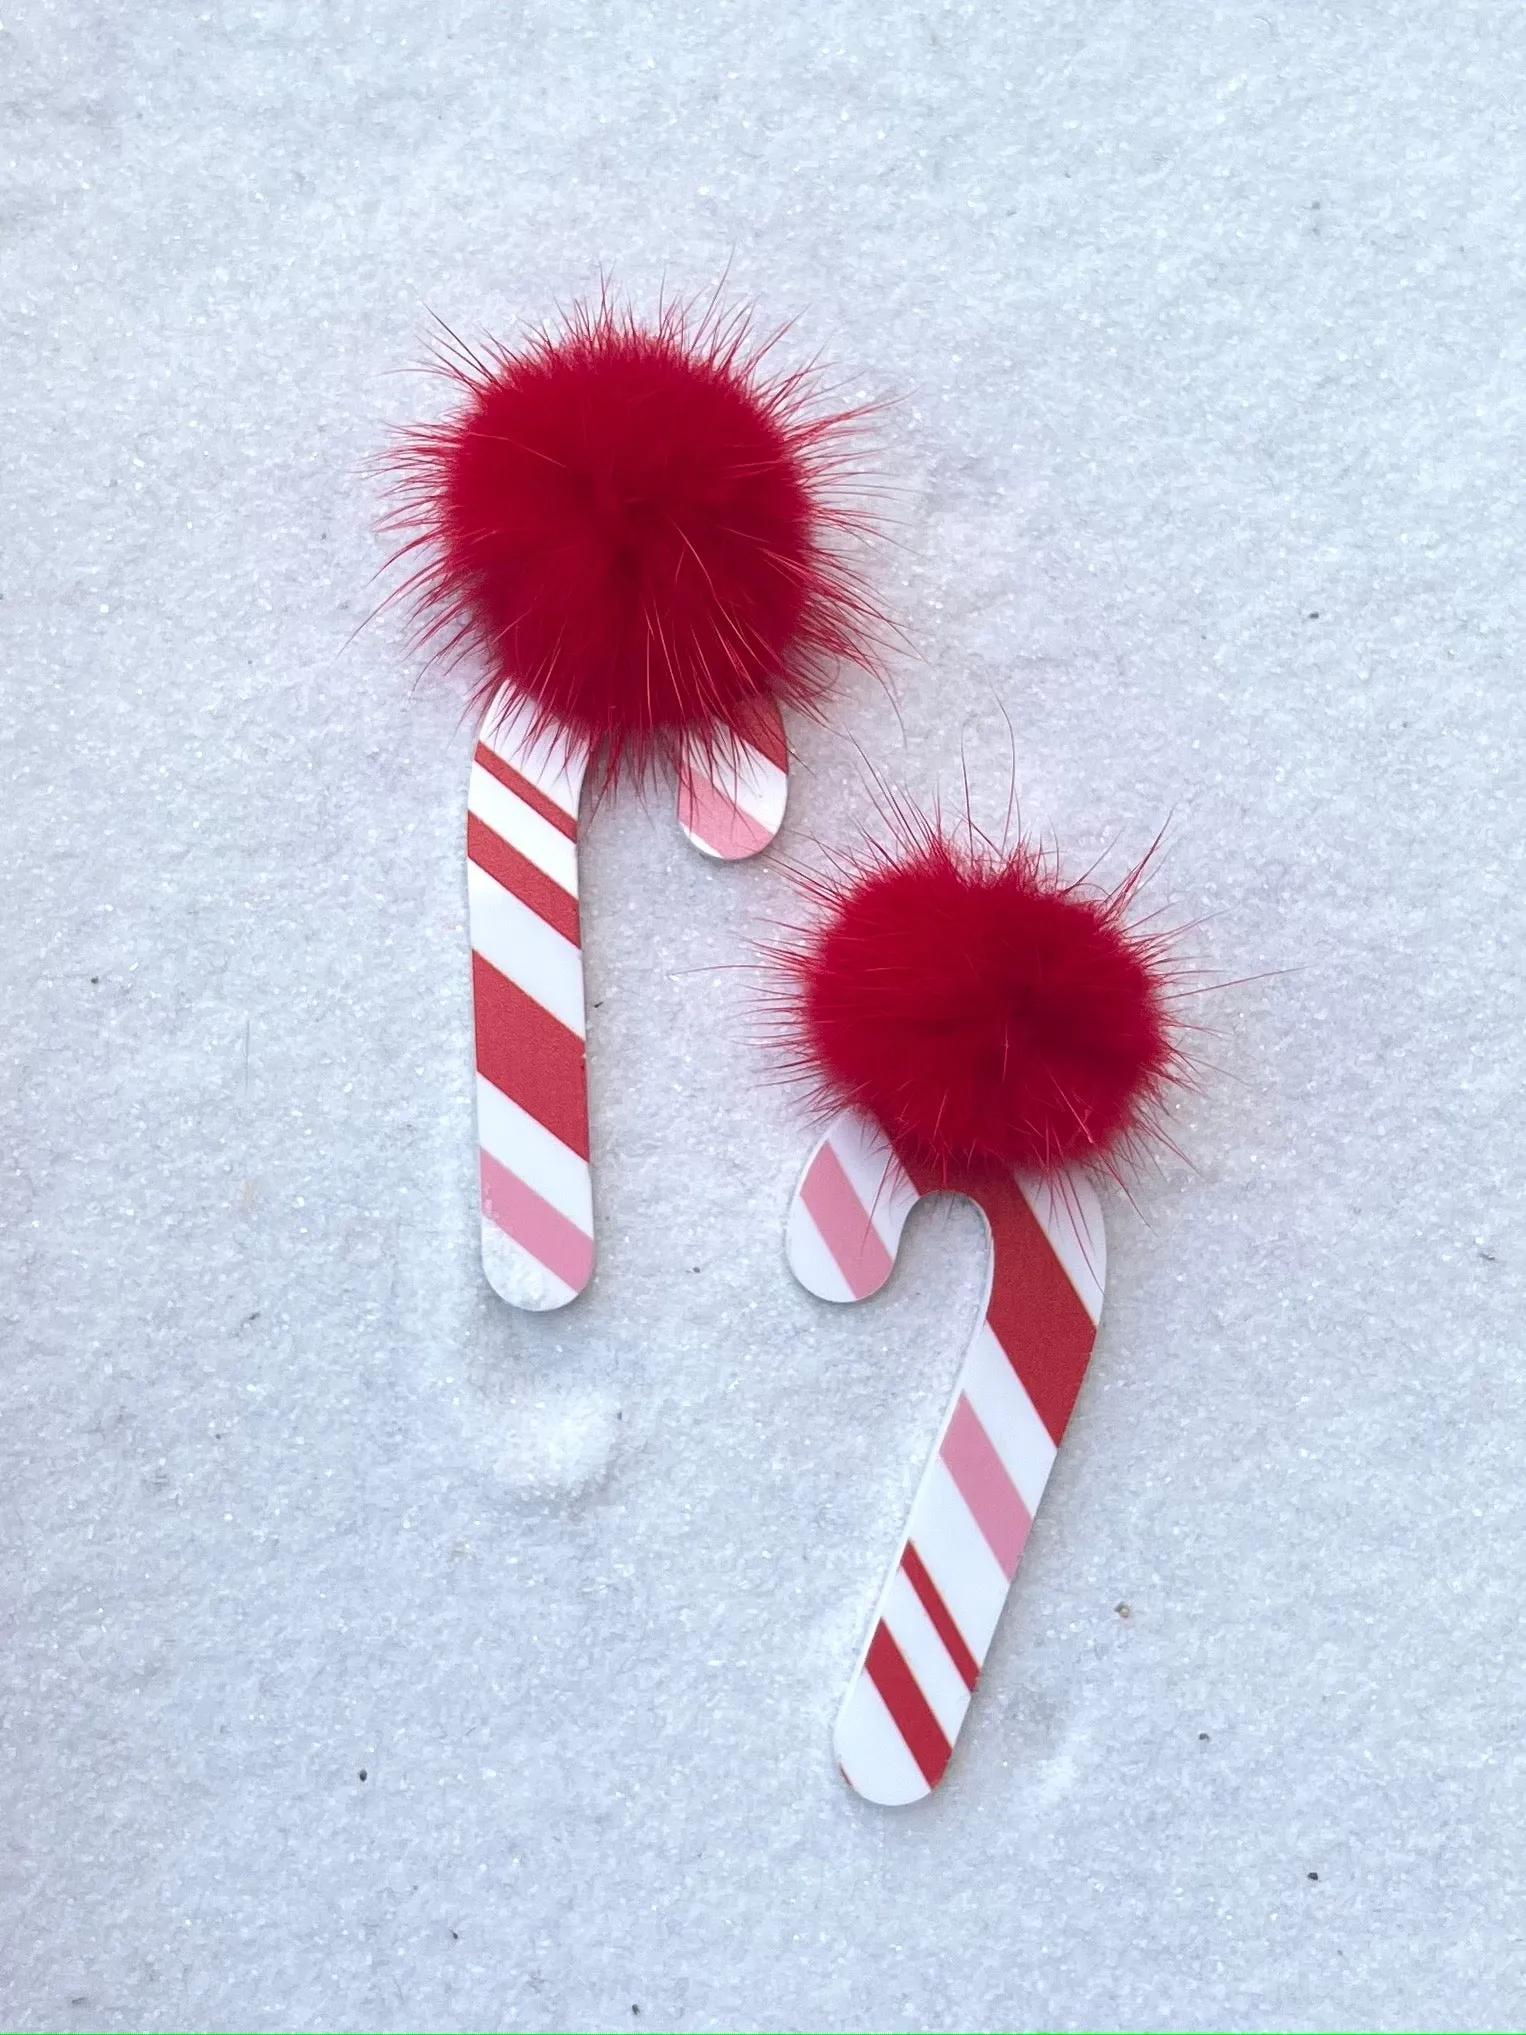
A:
(994, 1500)
(522, 788)
(516, 872)
(1034, 1311)
(907, 1705)
(760, 724)
(942, 1618)
(714, 817)
(530, 1055)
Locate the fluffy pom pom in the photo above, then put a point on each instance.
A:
(986, 1011)
(633, 528)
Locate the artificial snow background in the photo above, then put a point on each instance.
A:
(375, 1657)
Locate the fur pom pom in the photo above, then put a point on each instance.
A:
(983, 1009)
(633, 529)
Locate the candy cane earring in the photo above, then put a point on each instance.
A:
(634, 531)
(980, 1027)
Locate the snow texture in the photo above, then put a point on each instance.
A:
(375, 1657)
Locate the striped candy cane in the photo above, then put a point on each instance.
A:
(527, 977)
(911, 1689)
(731, 795)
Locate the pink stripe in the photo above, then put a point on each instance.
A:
(717, 820)
(844, 1223)
(985, 1487)
(535, 1225)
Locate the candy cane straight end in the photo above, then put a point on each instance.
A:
(732, 791)
(911, 1690)
(527, 994)
(871, 1754)
(520, 1278)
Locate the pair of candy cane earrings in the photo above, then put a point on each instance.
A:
(635, 532)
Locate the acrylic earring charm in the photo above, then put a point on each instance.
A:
(632, 533)
(974, 1024)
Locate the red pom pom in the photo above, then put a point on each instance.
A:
(632, 527)
(982, 1009)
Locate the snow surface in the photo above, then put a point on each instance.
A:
(377, 1658)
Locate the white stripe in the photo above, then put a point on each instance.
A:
(809, 1259)
(520, 945)
(1070, 1215)
(877, 1175)
(758, 787)
(523, 828)
(955, 1554)
(1008, 1416)
(925, 1654)
(518, 1278)
(554, 764)
(875, 1759)
(535, 1155)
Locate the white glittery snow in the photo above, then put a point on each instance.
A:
(374, 1657)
